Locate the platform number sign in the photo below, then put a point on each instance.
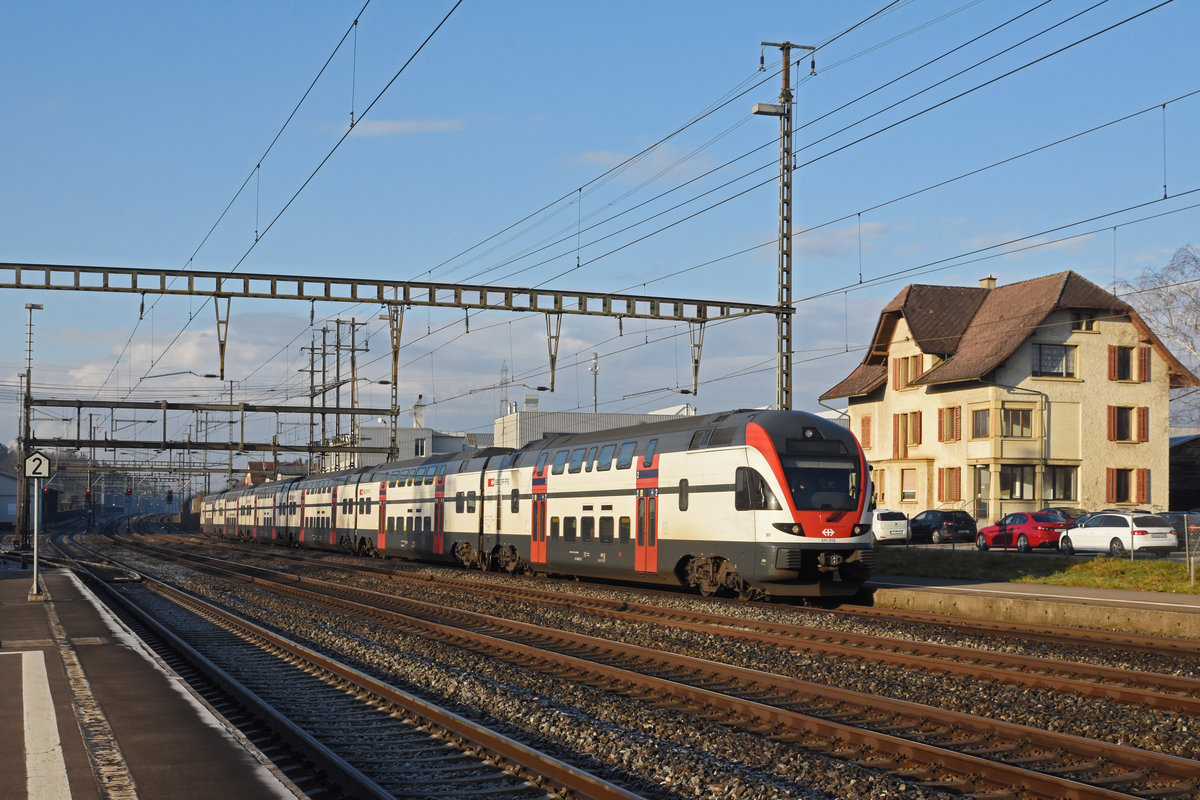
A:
(37, 466)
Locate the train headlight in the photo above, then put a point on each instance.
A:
(794, 528)
(860, 529)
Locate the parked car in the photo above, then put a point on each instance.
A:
(1117, 532)
(889, 526)
(1068, 514)
(937, 526)
(1023, 530)
(1186, 525)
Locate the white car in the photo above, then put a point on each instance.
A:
(889, 526)
(1118, 533)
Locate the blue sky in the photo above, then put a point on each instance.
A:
(131, 126)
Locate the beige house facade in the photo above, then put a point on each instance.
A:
(1047, 392)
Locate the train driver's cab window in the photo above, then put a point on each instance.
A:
(625, 456)
(751, 492)
(604, 462)
(825, 484)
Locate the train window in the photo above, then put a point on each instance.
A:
(576, 460)
(699, 439)
(369, 504)
(651, 521)
(470, 502)
(606, 530)
(560, 462)
(428, 524)
(554, 524)
(568, 529)
(541, 462)
(648, 459)
(418, 476)
(721, 437)
(623, 530)
(751, 492)
(402, 478)
(431, 474)
(625, 456)
(408, 526)
(683, 494)
(516, 501)
(587, 528)
(587, 462)
(604, 462)
(460, 502)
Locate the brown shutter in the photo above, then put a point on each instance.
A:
(1110, 485)
(1143, 364)
(915, 421)
(941, 424)
(895, 435)
(866, 433)
(1112, 424)
(896, 373)
(957, 423)
(957, 483)
(1143, 424)
(1143, 486)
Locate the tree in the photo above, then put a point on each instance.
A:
(1168, 299)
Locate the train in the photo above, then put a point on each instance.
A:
(748, 503)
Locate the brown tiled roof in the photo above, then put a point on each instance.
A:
(976, 329)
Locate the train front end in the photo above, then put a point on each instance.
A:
(814, 538)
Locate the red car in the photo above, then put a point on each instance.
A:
(1024, 531)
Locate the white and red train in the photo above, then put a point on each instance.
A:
(753, 503)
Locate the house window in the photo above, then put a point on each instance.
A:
(877, 477)
(980, 428)
(1061, 483)
(1016, 423)
(1120, 363)
(905, 370)
(418, 447)
(1054, 360)
(906, 432)
(1016, 482)
(1118, 484)
(1083, 322)
(1128, 424)
(950, 424)
(908, 486)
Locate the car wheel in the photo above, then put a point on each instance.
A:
(981, 542)
(936, 537)
(1064, 544)
(1116, 548)
(1023, 544)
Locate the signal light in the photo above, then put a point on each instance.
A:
(170, 496)
(128, 491)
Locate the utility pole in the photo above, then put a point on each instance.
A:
(22, 521)
(783, 317)
(595, 370)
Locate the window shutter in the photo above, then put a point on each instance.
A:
(957, 483)
(915, 422)
(896, 372)
(866, 433)
(1110, 485)
(895, 435)
(1143, 364)
(1112, 362)
(1112, 424)
(941, 424)
(1143, 486)
(957, 423)
(1143, 424)
(941, 492)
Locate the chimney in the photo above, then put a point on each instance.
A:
(531, 402)
(419, 412)
(988, 283)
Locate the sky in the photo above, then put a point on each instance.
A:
(604, 147)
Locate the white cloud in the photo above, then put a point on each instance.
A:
(401, 127)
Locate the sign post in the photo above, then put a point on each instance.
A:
(37, 466)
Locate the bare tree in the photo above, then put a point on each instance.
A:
(1169, 300)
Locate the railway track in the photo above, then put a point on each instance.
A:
(952, 750)
(363, 737)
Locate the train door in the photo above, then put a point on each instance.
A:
(380, 537)
(645, 550)
(333, 515)
(303, 519)
(537, 532)
(439, 511)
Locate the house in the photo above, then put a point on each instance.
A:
(1185, 472)
(1050, 391)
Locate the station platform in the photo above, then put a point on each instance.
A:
(1150, 613)
(87, 712)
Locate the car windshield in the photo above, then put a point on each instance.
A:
(826, 484)
(890, 516)
(1151, 521)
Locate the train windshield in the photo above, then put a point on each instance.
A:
(822, 484)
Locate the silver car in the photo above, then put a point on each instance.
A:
(1120, 532)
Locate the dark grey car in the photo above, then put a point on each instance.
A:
(939, 526)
